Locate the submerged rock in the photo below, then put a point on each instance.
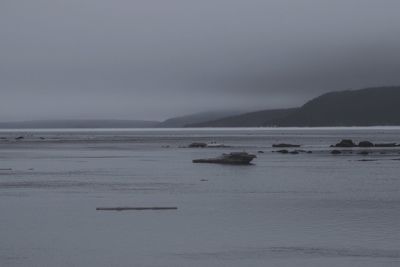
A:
(294, 152)
(19, 138)
(336, 152)
(285, 145)
(363, 153)
(235, 158)
(203, 145)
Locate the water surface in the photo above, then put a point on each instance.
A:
(285, 210)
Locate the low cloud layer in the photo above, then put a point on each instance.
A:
(155, 59)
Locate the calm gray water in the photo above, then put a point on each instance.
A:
(285, 210)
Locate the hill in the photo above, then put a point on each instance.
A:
(364, 107)
(377, 106)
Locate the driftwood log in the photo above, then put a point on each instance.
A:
(135, 208)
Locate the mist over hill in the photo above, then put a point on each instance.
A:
(193, 119)
(64, 124)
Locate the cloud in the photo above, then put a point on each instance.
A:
(153, 59)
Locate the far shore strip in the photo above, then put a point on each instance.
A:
(135, 208)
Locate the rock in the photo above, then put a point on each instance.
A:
(235, 158)
(363, 153)
(283, 151)
(197, 145)
(260, 152)
(346, 143)
(336, 152)
(284, 145)
(309, 152)
(386, 145)
(295, 152)
(19, 138)
(365, 144)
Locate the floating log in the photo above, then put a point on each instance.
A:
(135, 208)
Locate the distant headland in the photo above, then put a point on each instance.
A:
(378, 106)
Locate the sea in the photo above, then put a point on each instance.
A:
(305, 209)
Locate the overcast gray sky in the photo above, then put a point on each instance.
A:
(152, 59)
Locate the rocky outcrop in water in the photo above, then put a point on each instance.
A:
(345, 143)
(365, 144)
(234, 158)
(350, 143)
(197, 145)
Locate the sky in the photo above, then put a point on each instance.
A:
(154, 59)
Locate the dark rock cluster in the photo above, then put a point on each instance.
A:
(350, 143)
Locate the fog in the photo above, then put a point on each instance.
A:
(156, 59)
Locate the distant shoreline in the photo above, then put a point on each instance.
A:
(186, 129)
